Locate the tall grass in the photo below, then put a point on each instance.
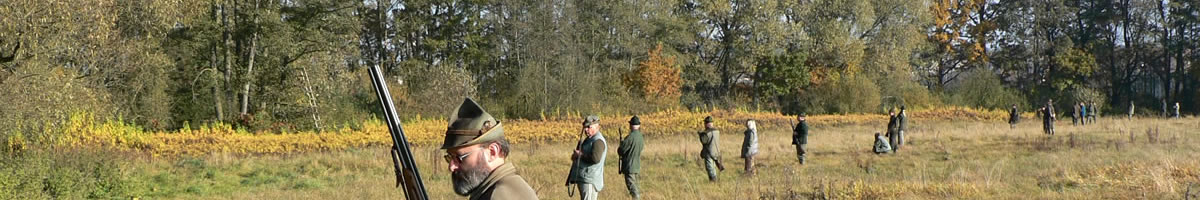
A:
(944, 159)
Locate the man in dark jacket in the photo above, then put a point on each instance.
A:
(1014, 117)
(892, 127)
(800, 137)
(710, 139)
(630, 153)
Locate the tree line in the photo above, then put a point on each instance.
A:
(299, 64)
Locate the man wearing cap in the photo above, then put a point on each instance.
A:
(710, 137)
(477, 153)
(630, 153)
(800, 137)
(587, 170)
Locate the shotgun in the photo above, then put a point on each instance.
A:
(575, 163)
(407, 174)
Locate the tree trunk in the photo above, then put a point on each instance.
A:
(216, 89)
(249, 76)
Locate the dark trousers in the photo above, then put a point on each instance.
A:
(800, 152)
(631, 183)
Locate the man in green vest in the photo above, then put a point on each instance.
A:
(477, 153)
(587, 171)
(710, 137)
(630, 153)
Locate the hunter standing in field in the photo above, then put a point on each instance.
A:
(1164, 109)
(587, 171)
(1176, 109)
(1130, 110)
(630, 153)
(476, 153)
(800, 137)
(1048, 117)
(750, 146)
(1083, 113)
(1092, 112)
(1075, 114)
(881, 144)
(710, 137)
(1014, 117)
(892, 128)
(901, 124)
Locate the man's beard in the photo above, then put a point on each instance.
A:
(468, 178)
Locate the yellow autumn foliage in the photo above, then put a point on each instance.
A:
(222, 138)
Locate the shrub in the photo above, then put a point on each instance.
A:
(66, 174)
(980, 88)
(854, 94)
(899, 89)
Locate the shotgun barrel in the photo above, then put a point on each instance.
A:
(407, 174)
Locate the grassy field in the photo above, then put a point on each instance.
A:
(1116, 158)
(958, 159)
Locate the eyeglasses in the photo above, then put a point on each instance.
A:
(450, 158)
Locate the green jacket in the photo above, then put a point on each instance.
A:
(630, 152)
(800, 133)
(710, 138)
(503, 183)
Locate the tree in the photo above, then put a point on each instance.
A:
(781, 77)
(657, 79)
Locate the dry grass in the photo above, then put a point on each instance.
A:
(943, 159)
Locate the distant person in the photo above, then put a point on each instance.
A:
(477, 155)
(901, 124)
(1176, 108)
(1074, 114)
(893, 126)
(800, 137)
(1131, 110)
(1083, 113)
(1092, 112)
(587, 169)
(1014, 117)
(881, 144)
(750, 146)
(710, 138)
(1164, 109)
(1048, 117)
(630, 153)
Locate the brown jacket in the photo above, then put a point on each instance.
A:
(504, 183)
